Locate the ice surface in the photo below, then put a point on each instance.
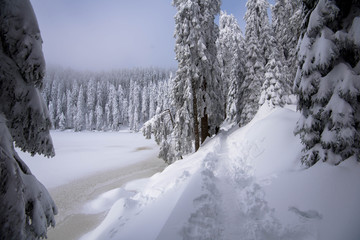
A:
(81, 154)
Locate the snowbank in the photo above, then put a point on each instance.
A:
(244, 182)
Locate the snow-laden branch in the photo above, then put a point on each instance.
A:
(26, 209)
(161, 126)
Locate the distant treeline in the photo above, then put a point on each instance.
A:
(105, 100)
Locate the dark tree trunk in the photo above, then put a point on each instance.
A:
(204, 126)
(171, 117)
(204, 121)
(195, 120)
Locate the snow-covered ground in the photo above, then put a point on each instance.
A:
(87, 165)
(245, 183)
(82, 154)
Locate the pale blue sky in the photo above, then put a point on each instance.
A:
(109, 34)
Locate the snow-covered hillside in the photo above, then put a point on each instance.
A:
(244, 183)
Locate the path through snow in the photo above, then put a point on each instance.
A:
(230, 195)
(245, 184)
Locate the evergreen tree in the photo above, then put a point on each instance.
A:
(69, 110)
(52, 113)
(145, 105)
(131, 107)
(59, 104)
(114, 106)
(257, 53)
(100, 107)
(286, 21)
(99, 117)
(46, 91)
(80, 112)
(136, 107)
(74, 104)
(108, 116)
(26, 208)
(328, 82)
(162, 124)
(91, 103)
(275, 90)
(54, 92)
(123, 106)
(153, 100)
(64, 107)
(230, 46)
(197, 93)
(62, 121)
(272, 90)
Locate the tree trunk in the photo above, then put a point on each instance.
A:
(195, 120)
(171, 117)
(204, 121)
(204, 126)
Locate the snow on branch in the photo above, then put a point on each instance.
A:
(161, 126)
(26, 209)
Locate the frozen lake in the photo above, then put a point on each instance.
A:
(82, 154)
(86, 165)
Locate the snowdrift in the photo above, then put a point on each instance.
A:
(245, 183)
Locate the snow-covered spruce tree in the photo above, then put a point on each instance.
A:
(80, 112)
(99, 108)
(286, 22)
(112, 108)
(73, 104)
(115, 110)
(52, 113)
(134, 106)
(123, 119)
(69, 110)
(153, 99)
(275, 90)
(162, 124)
(91, 104)
(53, 110)
(108, 116)
(99, 117)
(59, 103)
(258, 48)
(26, 208)
(145, 96)
(230, 45)
(62, 122)
(197, 92)
(328, 82)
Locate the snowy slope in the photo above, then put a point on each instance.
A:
(244, 183)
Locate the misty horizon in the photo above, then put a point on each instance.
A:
(109, 35)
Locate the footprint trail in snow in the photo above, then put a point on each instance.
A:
(230, 195)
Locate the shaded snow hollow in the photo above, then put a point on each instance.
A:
(244, 183)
